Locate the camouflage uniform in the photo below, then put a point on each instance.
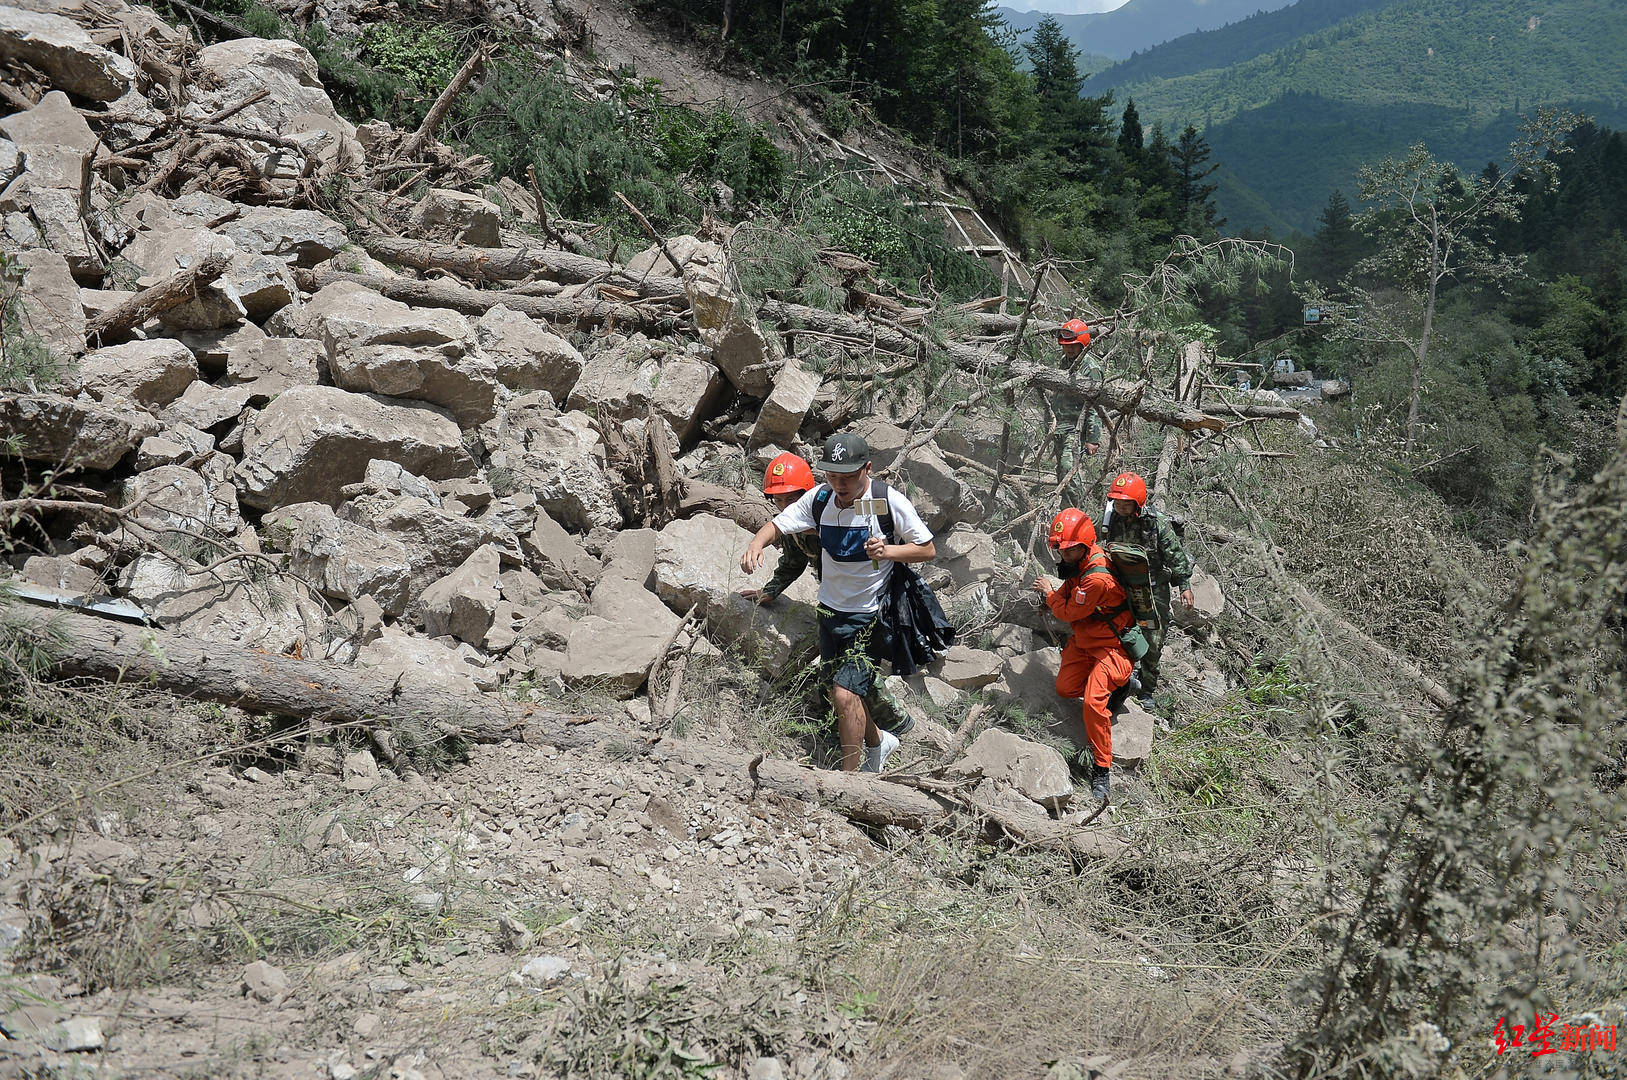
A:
(798, 551)
(1067, 410)
(1170, 566)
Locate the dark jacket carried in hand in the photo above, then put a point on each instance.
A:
(914, 627)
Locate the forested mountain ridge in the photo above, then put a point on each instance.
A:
(1141, 24)
(1234, 43)
(1294, 122)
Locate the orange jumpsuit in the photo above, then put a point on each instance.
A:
(1094, 663)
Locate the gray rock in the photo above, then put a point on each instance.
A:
(554, 457)
(149, 373)
(300, 237)
(556, 556)
(344, 560)
(465, 385)
(621, 380)
(227, 606)
(63, 50)
(747, 355)
(787, 405)
(1208, 602)
(459, 216)
(1037, 771)
(230, 71)
(64, 574)
(935, 488)
(311, 441)
(425, 662)
(697, 562)
(271, 365)
(967, 554)
(176, 497)
(689, 392)
(48, 304)
(75, 1035)
(347, 315)
(544, 970)
(80, 434)
(1133, 729)
(203, 406)
(615, 645)
(969, 669)
(631, 555)
(264, 982)
(464, 602)
(526, 355)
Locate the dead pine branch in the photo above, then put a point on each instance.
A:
(173, 291)
(437, 112)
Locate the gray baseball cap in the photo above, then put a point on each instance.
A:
(844, 453)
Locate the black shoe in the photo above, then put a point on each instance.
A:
(1099, 775)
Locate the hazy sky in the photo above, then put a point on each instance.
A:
(1064, 7)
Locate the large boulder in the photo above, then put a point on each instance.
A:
(559, 560)
(232, 71)
(176, 497)
(463, 603)
(747, 355)
(298, 237)
(614, 646)
(459, 217)
(227, 607)
(270, 365)
(689, 392)
(526, 355)
(1208, 602)
(439, 539)
(204, 405)
(631, 555)
(620, 380)
(343, 560)
(313, 440)
(253, 285)
(932, 484)
(787, 405)
(967, 553)
(1133, 729)
(382, 346)
(46, 206)
(71, 433)
(423, 662)
(557, 458)
(48, 304)
(1037, 771)
(63, 50)
(966, 668)
(697, 563)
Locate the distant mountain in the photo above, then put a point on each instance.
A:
(1141, 24)
(1292, 122)
(1234, 43)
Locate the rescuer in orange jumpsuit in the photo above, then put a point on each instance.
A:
(1094, 661)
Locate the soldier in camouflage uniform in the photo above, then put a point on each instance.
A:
(1074, 338)
(788, 476)
(1130, 520)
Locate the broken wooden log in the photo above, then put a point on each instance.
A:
(747, 509)
(84, 646)
(173, 291)
(583, 311)
(437, 112)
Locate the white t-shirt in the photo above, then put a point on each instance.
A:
(849, 579)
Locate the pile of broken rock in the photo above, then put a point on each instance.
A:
(293, 458)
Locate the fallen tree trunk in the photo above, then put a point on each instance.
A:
(747, 509)
(520, 262)
(317, 690)
(580, 310)
(173, 291)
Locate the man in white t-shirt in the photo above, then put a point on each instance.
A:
(856, 563)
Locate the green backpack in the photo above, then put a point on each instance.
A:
(1132, 569)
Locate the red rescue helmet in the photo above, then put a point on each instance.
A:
(1070, 528)
(1128, 485)
(1074, 332)
(787, 473)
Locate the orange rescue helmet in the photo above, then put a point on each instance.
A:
(787, 473)
(1070, 528)
(1074, 332)
(1129, 485)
